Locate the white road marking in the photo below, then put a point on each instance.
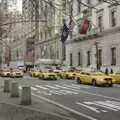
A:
(89, 107)
(33, 88)
(81, 86)
(44, 92)
(64, 107)
(109, 105)
(102, 104)
(114, 103)
(52, 87)
(55, 92)
(69, 92)
(73, 87)
(44, 88)
(99, 95)
(104, 111)
(65, 87)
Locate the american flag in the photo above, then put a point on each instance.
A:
(71, 27)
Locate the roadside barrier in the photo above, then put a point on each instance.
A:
(26, 95)
(7, 85)
(14, 89)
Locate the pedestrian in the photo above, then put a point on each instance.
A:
(106, 71)
(111, 71)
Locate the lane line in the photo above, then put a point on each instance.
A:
(64, 107)
(94, 109)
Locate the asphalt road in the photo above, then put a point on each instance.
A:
(83, 102)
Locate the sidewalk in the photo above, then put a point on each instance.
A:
(10, 109)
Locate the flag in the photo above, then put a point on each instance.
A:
(85, 27)
(92, 29)
(71, 27)
(65, 33)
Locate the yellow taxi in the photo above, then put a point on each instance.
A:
(116, 77)
(34, 73)
(5, 73)
(48, 75)
(69, 75)
(95, 79)
(1, 72)
(16, 73)
(61, 74)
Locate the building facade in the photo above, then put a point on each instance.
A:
(43, 29)
(99, 49)
(17, 41)
(48, 47)
(30, 13)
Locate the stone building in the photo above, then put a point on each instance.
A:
(48, 47)
(17, 41)
(43, 28)
(99, 49)
(31, 23)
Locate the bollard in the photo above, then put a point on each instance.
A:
(14, 90)
(6, 85)
(26, 96)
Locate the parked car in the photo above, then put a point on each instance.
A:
(95, 79)
(5, 73)
(116, 77)
(48, 75)
(16, 73)
(34, 73)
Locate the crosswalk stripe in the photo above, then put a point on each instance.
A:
(89, 107)
(66, 88)
(33, 88)
(105, 106)
(111, 105)
(80, 86)
(68, 91)
(69, 86)
(44, 88)
(114, 103)
(52, 87)
(100, 105)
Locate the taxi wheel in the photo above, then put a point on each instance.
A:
(111, 85)
(61, 77)
(78, 81)
(43, 77)
(94, 82)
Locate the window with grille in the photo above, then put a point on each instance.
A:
(100, 23)
(88, 58)
(100, 57)
(113, 18)
(113, 56)
(71, 59)
(79, 59)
